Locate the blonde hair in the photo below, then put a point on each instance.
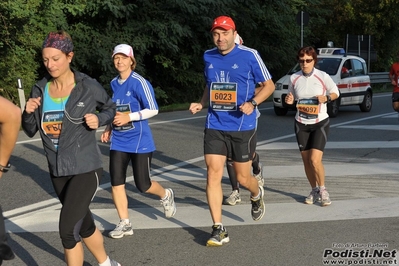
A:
(134, 63)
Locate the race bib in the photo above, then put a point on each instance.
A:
(52, 125)
(223, 96)
(308, 108)
(124, 108)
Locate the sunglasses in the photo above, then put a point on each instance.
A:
(301, 61)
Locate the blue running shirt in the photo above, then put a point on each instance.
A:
(133, 95)
(231, 81)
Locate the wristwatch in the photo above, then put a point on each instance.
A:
(328, 98)
(5, 169)
(254, 103)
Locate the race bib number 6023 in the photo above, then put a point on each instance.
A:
(223, 96)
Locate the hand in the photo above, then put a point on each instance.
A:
(32, 104)
(91, 121)
(247, 108)
(106, 135)
(121, 119)
(195, 108)
(322, 98)
(289, 98)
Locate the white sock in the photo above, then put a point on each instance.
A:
(166, 195)
(217, 224)
(125, 221)
(257, 197)
(107, 262)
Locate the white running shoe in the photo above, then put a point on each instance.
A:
(325, 198)
(233, 199)
(122, 229)
(114, 263)
(314, 196)
(169, 204)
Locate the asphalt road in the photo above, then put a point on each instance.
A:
(359, 228)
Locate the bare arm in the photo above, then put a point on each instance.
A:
(10, 123)
(196, 107)
(324, 98)
(262, 92)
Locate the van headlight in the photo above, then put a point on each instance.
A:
(278, 86)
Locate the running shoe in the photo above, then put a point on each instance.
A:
(314, 196)
(219, 236)
(121, 230)
(169, 205)
(259, 176)
(233, 199)
(114, 263)
(325, 198)
(5, 252)
(258, 206)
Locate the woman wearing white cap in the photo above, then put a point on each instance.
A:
(131, 138)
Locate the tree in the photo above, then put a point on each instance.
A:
(169, 37)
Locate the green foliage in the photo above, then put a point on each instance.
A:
(169, 37)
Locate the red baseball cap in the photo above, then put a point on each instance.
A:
(223, 22)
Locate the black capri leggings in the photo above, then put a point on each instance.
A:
(118, 163)
(76, 193)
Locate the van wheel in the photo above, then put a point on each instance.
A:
(280, 111)
(367, 103)
(333, 108)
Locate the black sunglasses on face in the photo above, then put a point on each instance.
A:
(301, 61)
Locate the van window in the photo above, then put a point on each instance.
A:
(358, 68)
(346, 70)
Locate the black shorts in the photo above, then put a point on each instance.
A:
(237, 145)
(395, 97)
(313, 136)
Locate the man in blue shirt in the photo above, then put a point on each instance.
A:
(231, 73)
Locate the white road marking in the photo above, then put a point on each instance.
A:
(196, 216)
(43, 216)
(45, 219)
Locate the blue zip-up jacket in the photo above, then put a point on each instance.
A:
(78, 151)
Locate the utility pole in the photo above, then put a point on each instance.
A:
(302, 19)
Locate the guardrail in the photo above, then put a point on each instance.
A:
(380, 78)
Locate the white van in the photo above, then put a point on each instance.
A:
(350, 74)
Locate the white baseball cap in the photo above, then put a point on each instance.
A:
(123, 49)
